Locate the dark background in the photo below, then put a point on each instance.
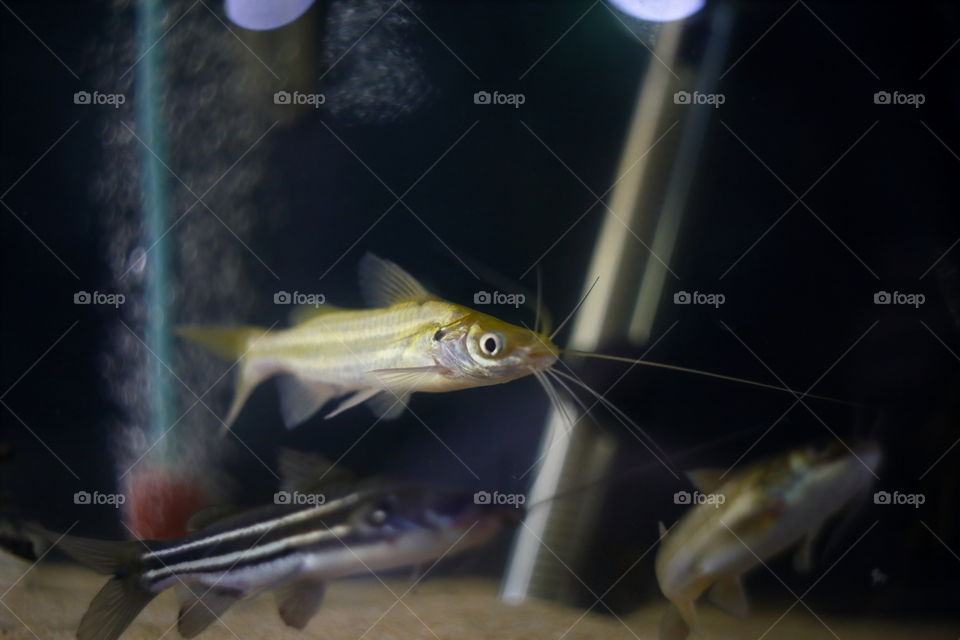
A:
(800, 98)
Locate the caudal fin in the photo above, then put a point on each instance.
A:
(117, 604)
(122, 598)
(232, 344)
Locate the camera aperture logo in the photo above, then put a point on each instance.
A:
(910, 299)
(711, 299)
(96, 498)
(513, 99)
(112, 99)
(299, 298)
(912, 499)
(686, 497)
(911, 99)
(299, 498)
(712, 99)
(511, 499)
(486, 297)
(98, 297)
(300, 99)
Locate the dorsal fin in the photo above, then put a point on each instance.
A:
(384, 284)
(211, 515)
(303, 471)
(707, 480)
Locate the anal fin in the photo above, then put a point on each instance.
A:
(300, 398)
(727, 594)
(388, 405)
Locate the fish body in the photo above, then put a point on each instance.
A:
(764, 510)
(293, 550)
(410, 342)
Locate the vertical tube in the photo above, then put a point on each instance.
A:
(149, 123)
(532, 569)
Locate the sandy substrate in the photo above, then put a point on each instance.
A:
(49, 601)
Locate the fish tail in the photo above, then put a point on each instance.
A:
(112, 610)
(232, 344)
(229, 343)
(123, 597)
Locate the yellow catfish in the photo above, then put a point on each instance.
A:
(409, 341)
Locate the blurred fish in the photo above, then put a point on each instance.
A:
(750, 517)
(411, 341)
(291, 548)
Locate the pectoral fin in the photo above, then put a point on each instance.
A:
(384, 284)
(201, 606)
(728, 594)
(404, 379)
(299, 601)
(300, 399)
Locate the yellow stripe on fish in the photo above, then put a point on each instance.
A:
(411, 341)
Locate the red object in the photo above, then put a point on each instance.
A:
(161, 500)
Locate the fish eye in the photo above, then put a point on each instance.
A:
(491, 343)
(379, 516)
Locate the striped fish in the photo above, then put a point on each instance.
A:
(292, 549)
(410, 341)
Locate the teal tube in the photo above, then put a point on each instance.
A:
(155, 202)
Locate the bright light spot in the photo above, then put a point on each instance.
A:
(262, 15)
(659, 10)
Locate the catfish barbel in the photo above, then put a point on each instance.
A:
(410, 341)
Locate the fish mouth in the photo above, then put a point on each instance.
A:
(540, 357)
